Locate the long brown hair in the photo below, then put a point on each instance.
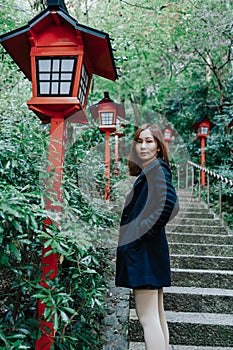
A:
(134, 162)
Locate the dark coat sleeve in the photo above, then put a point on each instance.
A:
(162, 204)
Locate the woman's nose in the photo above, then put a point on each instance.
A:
(143, 145)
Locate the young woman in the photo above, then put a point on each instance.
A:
(143, 262)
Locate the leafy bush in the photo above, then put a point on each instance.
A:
(76, 295)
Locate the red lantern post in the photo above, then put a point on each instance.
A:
(108, 164)
(107, 111)
(59, 56)
(202, 128)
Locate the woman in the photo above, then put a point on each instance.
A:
(143, 262)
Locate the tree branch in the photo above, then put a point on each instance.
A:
(139, 6)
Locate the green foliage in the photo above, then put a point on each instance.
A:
(76, 295)
(21, 222)
(75, 299)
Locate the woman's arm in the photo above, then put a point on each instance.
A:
(162, 202)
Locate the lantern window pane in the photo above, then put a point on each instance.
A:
(44, 65)
(55, 75)
(44, 88)
(84, 80)
(44, 76)
(56, 65)
(66, 76)
(204, 130)
(106, 118)
(65, 88)
(54, 88)
(67, 65)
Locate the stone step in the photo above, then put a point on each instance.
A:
(201, 262)
(177, 237)
(199, 278)
(178, 220)
(185, 328)
(185, 204)
(205, 300)
(196, 228)
(199, 300)
(193, 207)
(201, 249)
(141, 346)
(194, 214)
(188, 198)
(185, 195)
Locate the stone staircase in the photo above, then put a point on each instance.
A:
(199, 305)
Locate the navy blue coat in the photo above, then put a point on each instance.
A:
(142, 252)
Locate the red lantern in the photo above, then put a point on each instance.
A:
(202, 128)
(59, 56)
(107, 111)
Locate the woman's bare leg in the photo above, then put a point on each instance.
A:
(147, 308)
(162, 317)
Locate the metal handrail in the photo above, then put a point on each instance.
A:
(209, 173)
(177, 166)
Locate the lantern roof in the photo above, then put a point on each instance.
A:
(97, 44)
(167, 127)
(120, 109)
(202, 122)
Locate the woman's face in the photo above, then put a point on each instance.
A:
(146, 147)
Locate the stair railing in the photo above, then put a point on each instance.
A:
(177, 166)
(209, 173)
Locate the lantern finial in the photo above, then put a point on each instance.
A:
(54, 4)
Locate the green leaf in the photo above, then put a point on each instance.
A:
(2, 337)
(15, 251)
(64, 316)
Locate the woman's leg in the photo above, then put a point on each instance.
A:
(146, 302)
(162, 317)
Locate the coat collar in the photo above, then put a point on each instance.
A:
(149, 167)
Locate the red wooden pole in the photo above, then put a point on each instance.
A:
(116, 171)
(203, 160)
(49, 264)
(107, 163)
